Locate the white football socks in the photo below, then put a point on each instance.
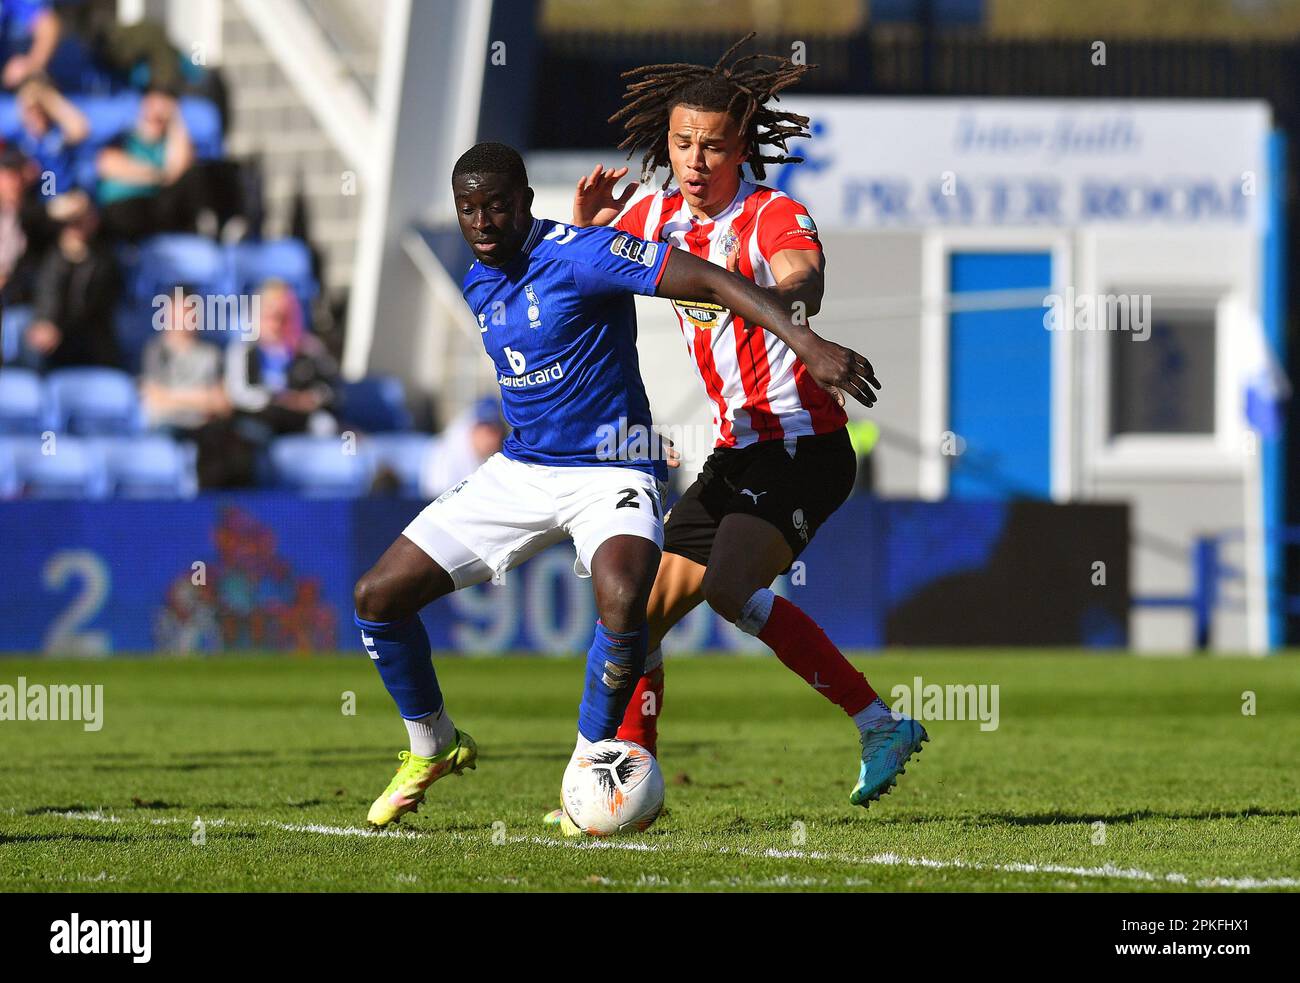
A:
(653, 660)
(874, 716)
(754, 615)
(431, 735)
(582, 745)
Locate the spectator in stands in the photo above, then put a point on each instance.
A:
(138, 53)
(76, 293)
(29, 36)
(182, 392)
(181, 379)
(468, 441)
(13, 231)
(51, 127)
(150, 180)
(26, 231)
(284, 381)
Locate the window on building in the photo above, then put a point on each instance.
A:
(1164, 383)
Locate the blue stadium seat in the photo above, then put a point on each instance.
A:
(405, 454)
(94, 402)
(12, 327)
(150, 466)
(22, 402)
(65, 467)
(10, 486)
(74, 68)
(108, 116)
(85, 167)
(204, 123)
(133, 326)
(375, 404)
(318, 467)
(163, 261)
(282, 259)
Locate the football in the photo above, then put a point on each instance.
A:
(613, 787)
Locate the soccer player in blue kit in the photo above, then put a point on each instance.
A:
(555, 307)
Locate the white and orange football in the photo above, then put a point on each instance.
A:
(613, 787)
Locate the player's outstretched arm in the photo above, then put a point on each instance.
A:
(800, 277)
(834, 367)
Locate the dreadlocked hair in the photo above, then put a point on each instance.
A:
(741, 88)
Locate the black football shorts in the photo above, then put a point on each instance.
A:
(794, 492)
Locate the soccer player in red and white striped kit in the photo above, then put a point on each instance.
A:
(782, 461)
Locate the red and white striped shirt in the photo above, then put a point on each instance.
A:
(758, 387)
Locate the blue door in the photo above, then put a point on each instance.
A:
(1000, 380)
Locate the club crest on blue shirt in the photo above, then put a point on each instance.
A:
(534, 307)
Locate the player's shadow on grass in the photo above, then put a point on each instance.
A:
(7, 838)
(1060, 818)
(360, 752)
(523, 752)
(121, 834)
(562, 751)
(58, 810)
(1134, 816)
(202, 762)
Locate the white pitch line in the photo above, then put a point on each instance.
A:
(399, 834)
(94, 816)
(1107, 871)
(895, 860)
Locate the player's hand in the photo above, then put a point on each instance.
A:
(594, 203)
(16, 70)
(672, 456)
(43, 337)
(839, 370)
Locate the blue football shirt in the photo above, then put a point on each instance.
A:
(559, 322)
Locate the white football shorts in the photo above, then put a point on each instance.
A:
(508, 511)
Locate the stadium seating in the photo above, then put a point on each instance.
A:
(94, 402)
(150, 466)
(22, 402)
(404, 454)
(9, 485)
(375, 404)
(133, 327)
(282, 259)
(147, 466)
(65, 467)
(109, 115)
(319, 467)
(160, 263)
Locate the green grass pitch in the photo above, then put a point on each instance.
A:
(1193, 794)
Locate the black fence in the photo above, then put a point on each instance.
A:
(580, 72)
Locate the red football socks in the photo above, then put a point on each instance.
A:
(803, 647)
(641, 719)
